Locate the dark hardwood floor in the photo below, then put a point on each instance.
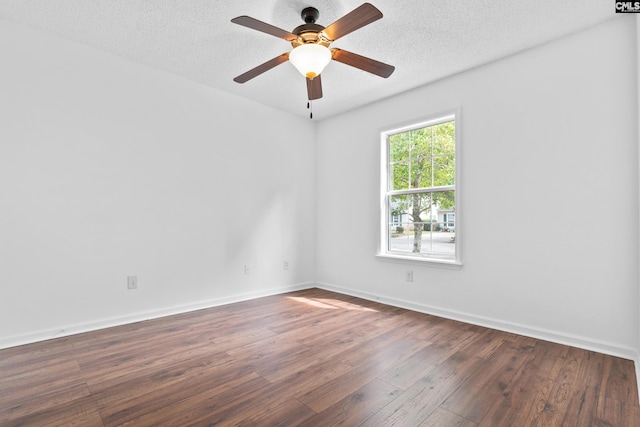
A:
(311, 358)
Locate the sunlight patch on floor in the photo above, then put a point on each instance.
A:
(332, 304)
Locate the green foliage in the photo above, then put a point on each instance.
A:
(423, 157)
(399, 229)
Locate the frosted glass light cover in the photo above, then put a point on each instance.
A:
(310, 59)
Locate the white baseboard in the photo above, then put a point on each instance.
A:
(526, 330)
(6, 342)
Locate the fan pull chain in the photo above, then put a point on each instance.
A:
(310, 108)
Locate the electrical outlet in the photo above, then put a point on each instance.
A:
(132, 282)
(247, 269)
(409, 276)
(285, 264)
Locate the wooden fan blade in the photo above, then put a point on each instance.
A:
(255, 24)
(262, 68)
(357, 18)
(366, 64)
(314, 88)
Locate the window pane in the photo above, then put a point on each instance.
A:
(444, 170)
(399, 176)
(398, 148)
(423, 224)
(410, 163)
(443, 138)
(422, 158)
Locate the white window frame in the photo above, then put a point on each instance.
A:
(383, 247)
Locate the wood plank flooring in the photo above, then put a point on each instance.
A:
(311, 358)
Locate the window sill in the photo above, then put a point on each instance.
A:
(433, 262)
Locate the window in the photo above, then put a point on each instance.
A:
(449, 220)
(419, 198)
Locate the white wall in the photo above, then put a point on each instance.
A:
(110, 169)
(548, 137)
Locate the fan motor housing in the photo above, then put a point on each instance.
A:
(310, 33)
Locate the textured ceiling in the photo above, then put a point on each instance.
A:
(424, 40)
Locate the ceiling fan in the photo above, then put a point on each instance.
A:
(311, 42)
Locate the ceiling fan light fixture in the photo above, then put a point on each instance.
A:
(310, 59)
